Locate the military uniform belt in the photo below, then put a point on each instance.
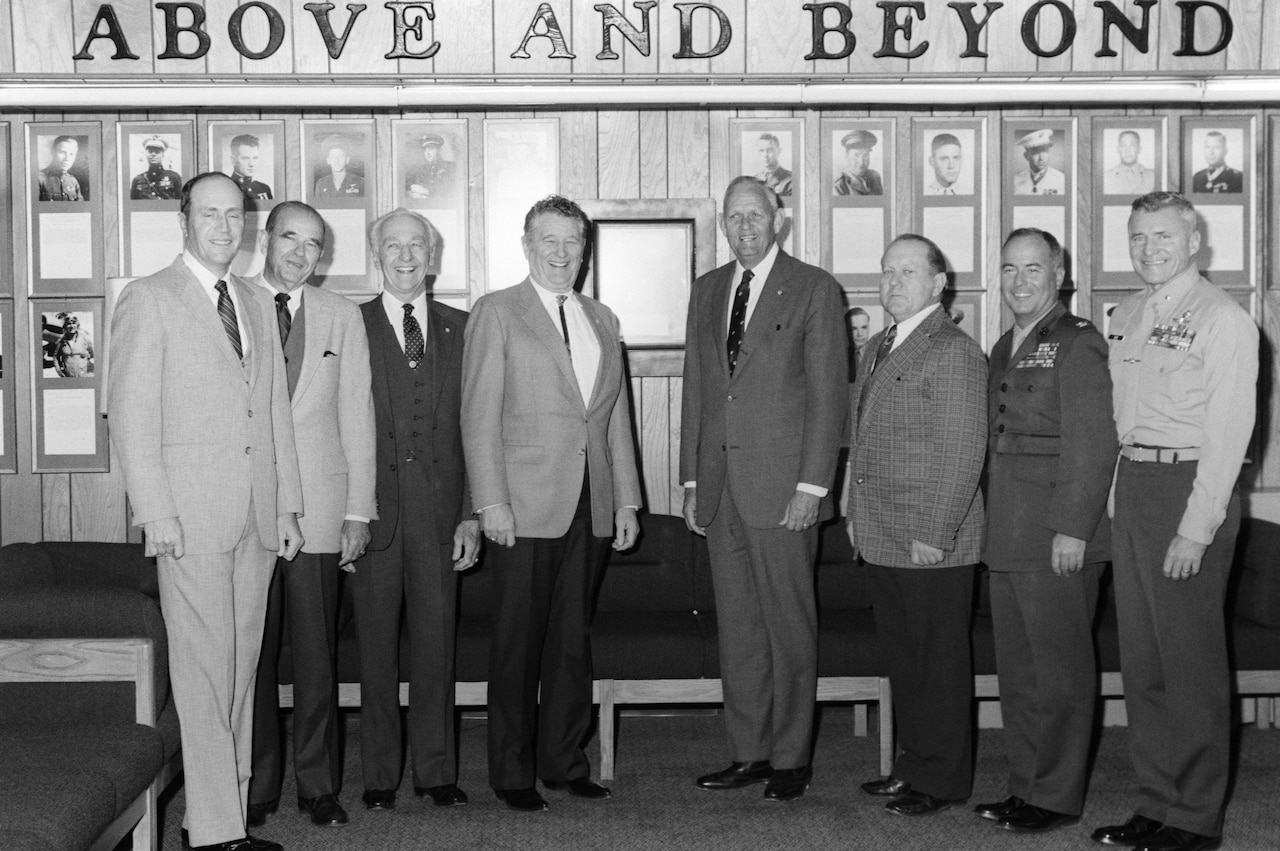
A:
(1160, 454)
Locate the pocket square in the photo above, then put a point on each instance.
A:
(330, 354)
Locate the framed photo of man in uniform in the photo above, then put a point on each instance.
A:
(251, 153)
(1129, 160)
(772, 151)
(68, 432)
(521, 165)
(950, 154)
(154, 159)
(338, 181)
(1219, 158)
(64, 224)
(857, 197)
(1039, 180)
(8, 418)
(430, 175)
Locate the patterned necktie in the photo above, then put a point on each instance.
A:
(564, 325)
(738, 318)
(886, 346)
(283, 319)
(414, 345)
(227, 311)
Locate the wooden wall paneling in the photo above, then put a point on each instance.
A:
(906, 171)
(6, 37)
(135, 22)
(381, 23)
(307, 48)
(186, 43)
(675, 403)
(97, 506)
(867, 25)
(669, 41)
(689, 151)
(461, 28)
(256, 35)
(222, 57)
(509, 26)
(1051, 31)
(55, 500)
(1245, 50)
(947, 40)
(780, 39)
(1004, 33)
(633, 61)
(1134, 60)
(382, 176)
(1086, 228)
(579, 157)
(43, 36)
(1269, 32)
(1171, 37)
(655, 443)
(618, 140)
(653, 154)
(814, 188)
(475, 202)
(588, 37)
(734, 59)
(997, 154)
(1268, 472)
(718, 170)
(369, 42)
(1177, 173)
(1089, 39)
(293, 164)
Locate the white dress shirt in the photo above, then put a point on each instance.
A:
(760, 274)
(209, 283)
(584, 347)
(294, 304)
(911, 323)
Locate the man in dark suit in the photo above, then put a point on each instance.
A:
(763, 411)
(1051, 453)
(326, 355)
(200, 421)
(919, 433)
(423, 534)
(550, 455)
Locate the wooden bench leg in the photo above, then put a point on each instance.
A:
(146, 835)
(885, 712)
(608, 716)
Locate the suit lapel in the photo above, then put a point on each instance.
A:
(534, 315)
(204, 314)
(317, 318)
(769, 304)
(381, 340)
(610, 360)
(443, 337)
(716, 317)
(899, 361)
(251, 324)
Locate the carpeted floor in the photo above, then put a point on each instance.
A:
(656, 806)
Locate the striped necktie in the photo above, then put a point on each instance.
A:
(283, 318)
(227, 312)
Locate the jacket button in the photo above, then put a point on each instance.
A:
(1000, 428)
(860, 481)
(1004, 388)
(731, 398)
(246, 450)
(391, 434)
(1001, 409)
(393, 468)
(251, 413)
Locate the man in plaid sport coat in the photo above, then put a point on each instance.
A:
(919, 432)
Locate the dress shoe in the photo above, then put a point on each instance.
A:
(737, 775)
(525, 800)
(256, 816)
(1133, 832)
(325, 811)
(913, 803)
(1175, 839)
(448, 795)
(1000, 809)
(579, 787)
(787, 784)
(379, 799)
(249, 843)
(1032, 819)
(890, 787)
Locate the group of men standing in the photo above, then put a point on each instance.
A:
(282, 435)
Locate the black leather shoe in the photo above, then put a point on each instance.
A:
(1175, 839)
(249, 843)
(525, 800)
(448, 795)
(787, 784)
(736, 776)
(912, 803)
(1000, 809)
(256, 816)
(887, 786)
(579, 787)
(325, 811)
(1032, 819)
(379, 799)
(1133, 832)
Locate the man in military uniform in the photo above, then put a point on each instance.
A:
(1050, 453)
(56, 182)
(435, 177)
(73, 353)
(1184, 361)
(338, 183)
(244, 162)
(1128, 177)
(858, 178)
(1040, 178)
(775, 175)
(157, 183)
(1217, 176)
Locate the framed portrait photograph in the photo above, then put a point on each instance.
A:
(521, 165)
(857, 165)
(252, 153)
(8, 417)
(1039, 179)
(645, 255)
(430, 171)
(337, 180)
(64, 225)
(949, 154)
(949, 160)
(864, 317)
(154, 159)
(964, 309)
(772, 151)
(1129, 155)
(6, 216)
(69, 433)
(1219, 167)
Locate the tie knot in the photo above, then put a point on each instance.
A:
(221, 287)
(282, 299)
(561, 299)
(408, 308)
(747, 275)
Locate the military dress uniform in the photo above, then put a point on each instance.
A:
(1226, 179)
(1050, 182)
(779, 180)
(252, 189)
(1184, 359)
(869, 184)
(1051, 453)
(434, 177)
(156, 184)
(352, 186)
(59, 186)
(1134, 179)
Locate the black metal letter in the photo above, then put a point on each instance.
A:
(400, 49)
(1189, 9)
(333, 43)
(106, 15)
(610, 18)
(172, 29)
(686, 31)
(1139, 35)
(1032, 18)
(893, 26)
(973, 28)
(820, 31)
(559, 48)
(275, 30)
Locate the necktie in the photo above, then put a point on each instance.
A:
(738, 318)
(283, 319)
(227, 311)
(414, 345)
(564, 325)
(886, 346)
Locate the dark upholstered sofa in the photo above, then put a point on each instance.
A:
(88, 730)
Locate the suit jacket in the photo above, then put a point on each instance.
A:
(1052, 444)
(529, 437)
(779, 419)
(333, 424)
(446, 473)
(918, 440)
(198, 434)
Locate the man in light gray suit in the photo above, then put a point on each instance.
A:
(199, 412)
(547, 432)
(326, 355)
(765, 378)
